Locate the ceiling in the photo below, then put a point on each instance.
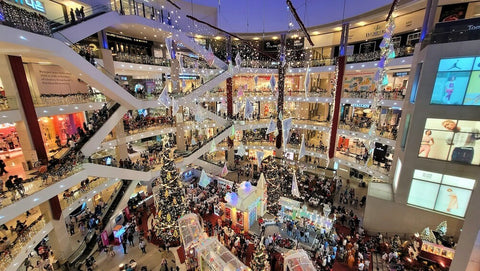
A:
(253, 16)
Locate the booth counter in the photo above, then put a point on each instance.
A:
(293, 210)
(191, 231)
(298, 260)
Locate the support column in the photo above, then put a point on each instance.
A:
(180, 134)
(229, 81)
(59, 237)
(18, 71)
(175, 69)
(121, 148)
(429, 18)
(340, 69)
(106, 54)
(281, 94)
(13, 99)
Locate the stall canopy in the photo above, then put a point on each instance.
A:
(191, 230)
(218, 257)
(298, 260)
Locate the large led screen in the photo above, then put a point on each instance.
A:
(443, 193)
(451, 140)
(452, 200)
(457, 82)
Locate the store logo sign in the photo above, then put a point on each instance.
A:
(34, 4)
(473, 27)
(377, 31)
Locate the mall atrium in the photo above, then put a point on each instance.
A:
(239, 135)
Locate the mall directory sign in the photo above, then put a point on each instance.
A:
(451, 140)
(457, 82)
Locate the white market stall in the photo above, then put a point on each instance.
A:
(214, 256)
(298, 260)
(293, 210)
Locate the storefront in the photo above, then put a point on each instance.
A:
(8, 138)
(61, 125)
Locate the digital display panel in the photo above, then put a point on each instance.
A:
(443, 193)
(451, 140)
(457, 82)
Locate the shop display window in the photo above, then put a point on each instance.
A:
(451, 140)
(443, 193)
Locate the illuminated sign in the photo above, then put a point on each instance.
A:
(34, 4)
(400, 74)
(361, 105)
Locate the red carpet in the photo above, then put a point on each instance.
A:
(181, 254)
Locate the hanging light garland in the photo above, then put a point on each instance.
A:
(381, 79)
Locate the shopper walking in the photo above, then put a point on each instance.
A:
(142, 246)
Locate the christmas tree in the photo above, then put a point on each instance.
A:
(169, 199)
(260, 259)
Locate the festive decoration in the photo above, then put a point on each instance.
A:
(387, 52)
(175, 107)
(428, 235)
(272, 127)
(164, 98)
(295, 191)
(224, 170)
(169, 199)
(241, 150)
(272, 83)
(248, 109)
(259, 158)
(231, 198)
(286, 125)
(213, 146)
(306, 83)
(204, 179)
(260, 261)
(238, 60)
(303, 152)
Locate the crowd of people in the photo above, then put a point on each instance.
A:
(141, 122)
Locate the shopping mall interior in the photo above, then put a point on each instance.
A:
(239, 135)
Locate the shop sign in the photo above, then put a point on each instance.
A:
(34, 4)
(361, 105)
(400, 74)
(378, 30)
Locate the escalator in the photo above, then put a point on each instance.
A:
(90, 242)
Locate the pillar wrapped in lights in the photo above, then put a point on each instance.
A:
(281, 88)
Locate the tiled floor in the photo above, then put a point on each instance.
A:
(152, 259)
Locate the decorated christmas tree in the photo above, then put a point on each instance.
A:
(260, 259)
(169, 199)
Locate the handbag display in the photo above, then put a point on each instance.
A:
(463, 155)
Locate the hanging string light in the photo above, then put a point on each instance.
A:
(387, 52)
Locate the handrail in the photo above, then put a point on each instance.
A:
(90, 235)
(62, 22)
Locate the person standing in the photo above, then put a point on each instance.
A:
(124, 244)
(72, 16)
(427, 142)
(142, 246)
(2, 167)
